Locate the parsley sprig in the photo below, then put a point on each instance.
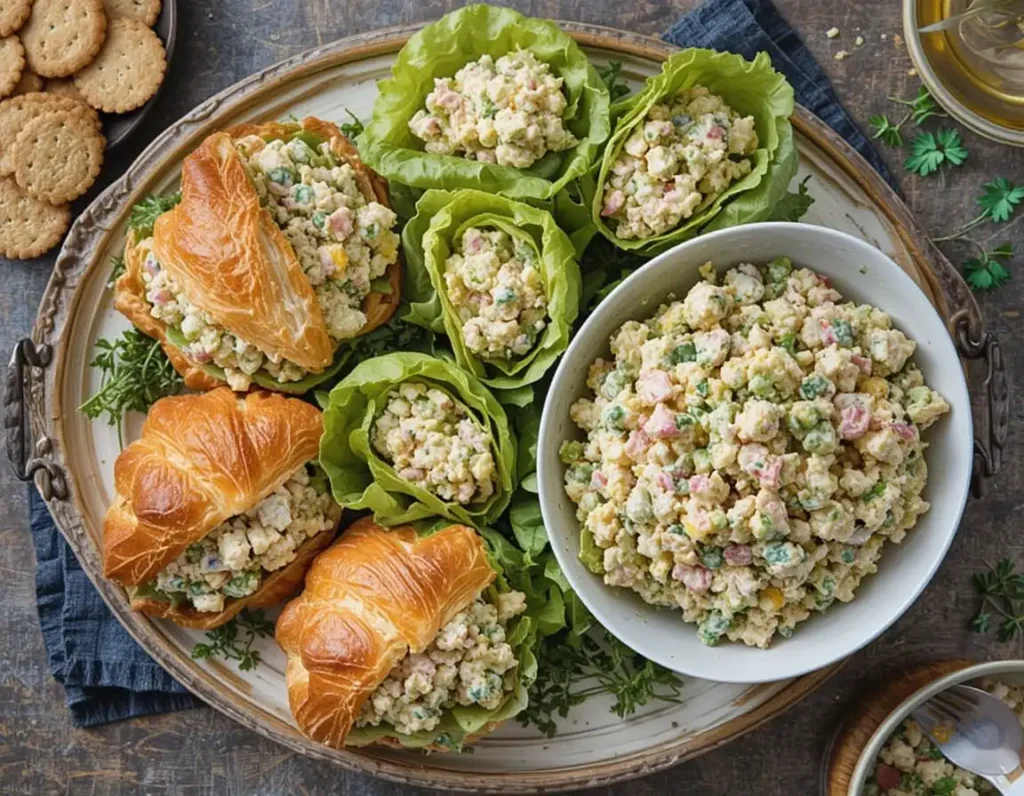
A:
(146, 212)
(929, 151)
(574, 672)
(922, 108)
(988, 271)
(233, 641)
(1002, 601)
(353, 128)
(611, 76)
(135, 373)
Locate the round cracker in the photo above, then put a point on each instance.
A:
(58, 157)
(64, 87)
(62, 36)
(144, 11)
(18, 111)
(12, 64)
(28, 227)
(128, 70)
(28, 83)
(13, 14)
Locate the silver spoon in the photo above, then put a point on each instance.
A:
(977, 732)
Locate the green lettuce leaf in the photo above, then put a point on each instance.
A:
(751, 88)
(429, 239)
(361, 479)
(439, 50)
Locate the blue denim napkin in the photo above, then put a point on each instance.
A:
(106, 675)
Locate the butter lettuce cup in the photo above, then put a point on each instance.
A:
(280, 250)
(498, 277)
(707, 144)
(409, 436)
(490, 99)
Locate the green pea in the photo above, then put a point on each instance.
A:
(319, 219)
(762, 386)
(821, 439)
(843, 332)
(687, 352)
(788, 341)
(712, 557)
(281, 176)
(571, 451)
(702, 388)
(814, 386)
(613, 417)
(302, 194)
(779, 269)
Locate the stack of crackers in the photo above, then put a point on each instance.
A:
(61, 62)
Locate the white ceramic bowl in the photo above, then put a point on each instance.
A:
(861, 273)
(1011, 672)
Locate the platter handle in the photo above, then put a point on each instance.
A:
(25, 359)
(973, 341)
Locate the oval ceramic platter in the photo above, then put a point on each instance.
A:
(593, 745)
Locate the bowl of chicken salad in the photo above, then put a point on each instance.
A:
(756, 452)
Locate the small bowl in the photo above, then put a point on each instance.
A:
(1008, 671)
(861, 273)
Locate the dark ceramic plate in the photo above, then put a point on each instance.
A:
(118, 126)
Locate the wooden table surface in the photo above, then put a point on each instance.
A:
(201, 751)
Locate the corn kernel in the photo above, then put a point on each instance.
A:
(339, 257)
(775, 595)
(873, 385)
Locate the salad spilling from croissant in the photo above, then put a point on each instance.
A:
(325, 372)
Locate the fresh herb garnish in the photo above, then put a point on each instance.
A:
(1002, 601)
(922, 108)
(617, 87)
(794, 205)
(929, 151)
(608, 667)
(116, 269)
(986, 272)
(353, 128)
(135, 374)
(1000, 199)
(885, 129)
(233, 641)
(146, 212)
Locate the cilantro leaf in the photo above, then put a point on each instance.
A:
(886, 130)
(987, 272)
(793, 205)
(1000, 199)
(930, 151)
(617, 87)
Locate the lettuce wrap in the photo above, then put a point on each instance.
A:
(442, 48)
(362, 479)
(751, 88)
(544, 615)
(430, 238)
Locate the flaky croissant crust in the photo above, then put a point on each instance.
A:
(200, 460)
(372, 597)
(234, 263)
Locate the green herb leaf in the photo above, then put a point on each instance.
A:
(886, 130)
(930, 151)
(987, 272)
(1000, 198)
(353, 128)
(923, 107)
(617, 87)
(146, 212)
(233, 641)
(1002, 600)
(116, 269)
(794, 205)
(136, 373)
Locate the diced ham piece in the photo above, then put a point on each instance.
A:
(613, 203)
(664, 480)
(738, 555)
(828, 336)
(824, 280)
(905, 431)
(654, 386)
(771, 475)
(854, 422)
(699, 484)
(598, 480)
(202, 357)
(662, 424)
(715, 133)
(162, 297)
(327, 263)
(888, 777)
(150, 266)
(863, 363)
(637, 443)
(341, 222)
(697, 578)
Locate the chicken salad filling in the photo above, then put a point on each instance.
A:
(469, 662)
(433, 441)
(233, 560)
(748, 451)
(507, 111)
(685, 154)
(495, 285)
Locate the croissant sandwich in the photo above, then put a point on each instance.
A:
(281, 247)
(220, 506)
(406, 638)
